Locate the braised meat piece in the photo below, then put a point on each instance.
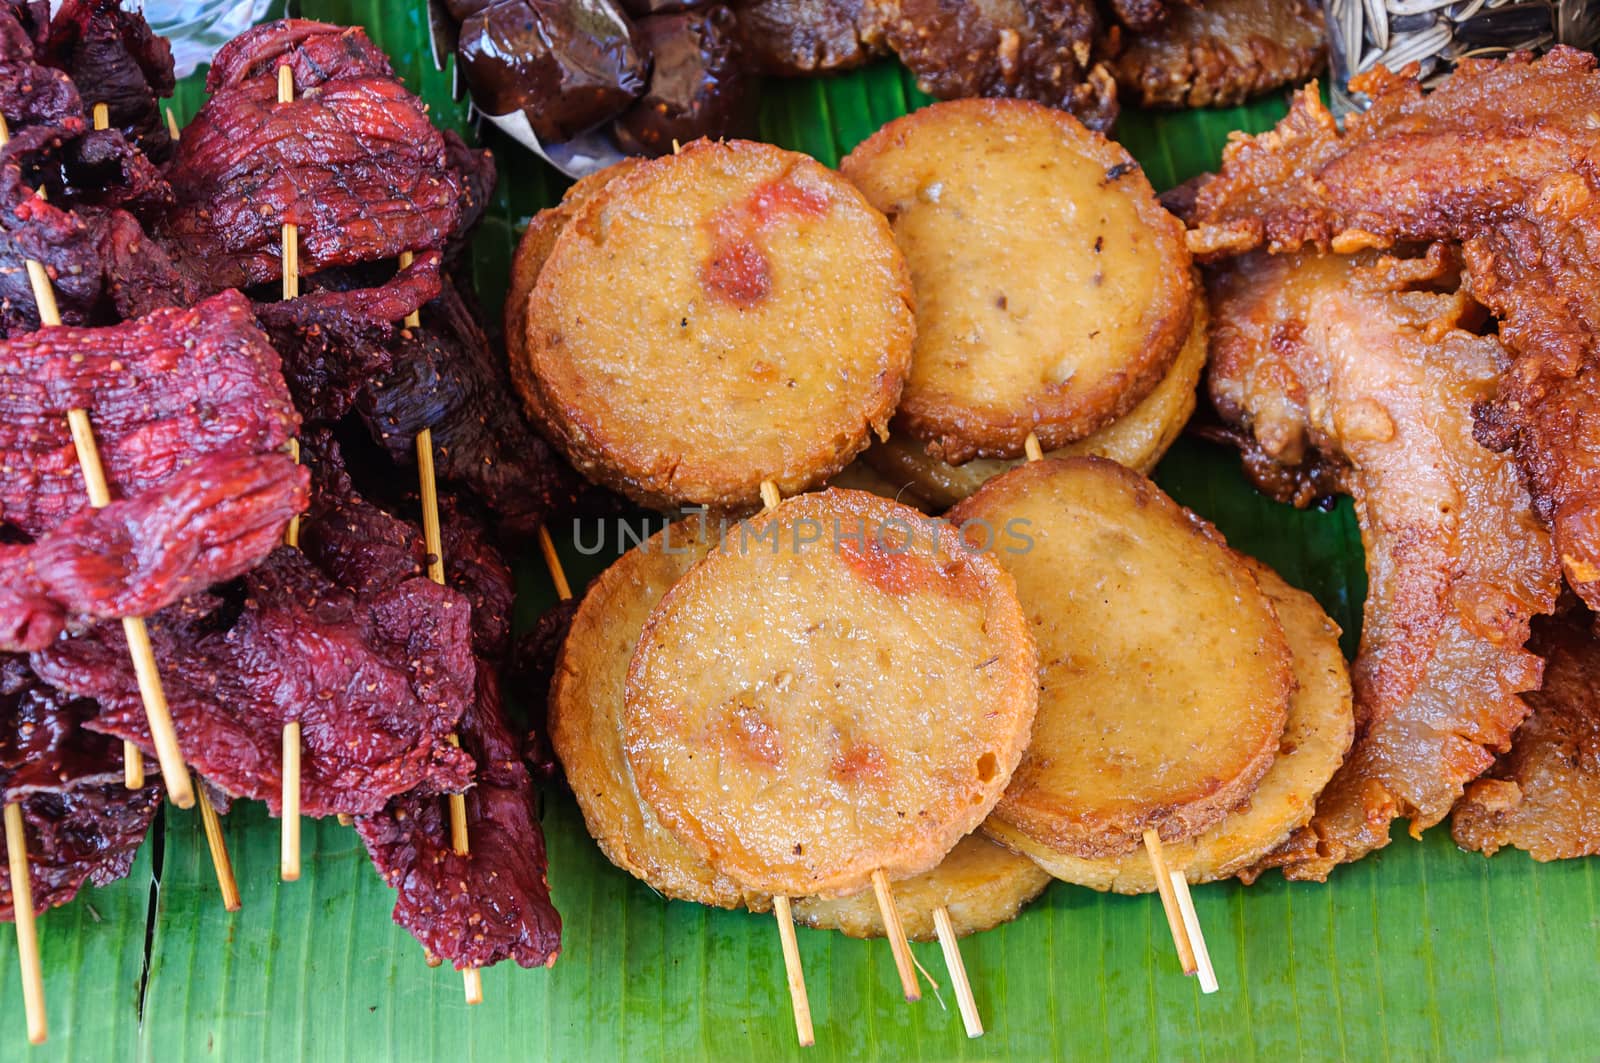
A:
(81, 823)
(1216, 53)
(212, 521)
(1142, 15)
(1502, 158)
(114, 56)
(566, 65)
(162, 392)
(1544, 795)
(444, 376)
(352, 160)
(697, 83)
(1030, 50)
(1375, 365)
(799, 37)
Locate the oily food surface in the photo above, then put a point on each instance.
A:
(1137, 439)
(802, 713)
(1369, 364)
(981, 884)
(1052, 291)
(753, 272)
(1501, 158)
(586, 709)
(1164, 672)
(1544, 795)
(1316, 736)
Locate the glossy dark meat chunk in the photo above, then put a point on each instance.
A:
(444, 376)
(115, 58)
(494, 903)
(1144, 15)
(698, 87)
(567, 65)
(161, 391)
(1029, 50)
(799, 37)
(352, 160)
(214, 520)
(337, 337)
(82, 824)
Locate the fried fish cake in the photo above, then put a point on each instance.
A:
(980, 883)
(730, 314)
(1138, 439)
(1165, 673)
(1316, 737)
(840, 687)
(586, 700)
(1052, 291)
(532, 250)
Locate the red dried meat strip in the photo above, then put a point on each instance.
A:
(353, 161)
(115, 56)
(162, 392)
(215, 520)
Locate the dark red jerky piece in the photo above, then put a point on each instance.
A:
(31, 93)
(352, 160)
(162, 392)
(113, 55)
(82, 824)
(377, 682)
(533, 666)
(445, 377)
(494, 903)
(214, 520)
(335, 338)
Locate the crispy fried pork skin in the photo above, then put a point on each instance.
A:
(1026, 49)
(1216, 53)
(353, 160)
(1544, 795)
(1502, 158)
(1368, 364)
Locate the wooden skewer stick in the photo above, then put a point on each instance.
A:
(795, 974)
(219, 851)
(172, 125)
(27, 929)
(896, 933)
(965, 1001)
(132, 759)
(433, 544)
(1191, 925)
(162, 732)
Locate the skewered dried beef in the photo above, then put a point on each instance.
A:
(352, 160)
(567, 65)
(113, 54)
(533, 666)
(162, 392)
(214, 520)
(445, 377)
(81, 823)
(697, 83)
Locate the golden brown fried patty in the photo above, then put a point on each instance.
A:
(841, 687)
(1316, 737)
(712, 319)
(1138, 439)
(980, 883)
(1164, 672)
(586, 718)
(1052, 291)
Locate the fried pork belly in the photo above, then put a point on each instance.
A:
(1367, 364)
(1502, 158)
(1544, 795)
(1216, 53)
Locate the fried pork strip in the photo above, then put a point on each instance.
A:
(1502, 158)
(1367, 365)
(1544, 795)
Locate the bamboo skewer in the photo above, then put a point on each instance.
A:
(965, 1001)
(798, 997)
(896, 933)
(1191, 926)
(433, 545)
(162, 733)
(219, 851)
(27, 929)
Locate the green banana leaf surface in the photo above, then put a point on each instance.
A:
(1418, 952)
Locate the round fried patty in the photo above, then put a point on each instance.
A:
(1165, 674)
(840, 687)
(981, 884)
(1052, 291)
(586, 718)
(1316, 736)
(712, 319)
